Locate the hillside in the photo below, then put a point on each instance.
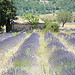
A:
(43, 6)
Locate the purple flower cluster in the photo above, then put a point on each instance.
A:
(71, 41)
(11, 42)
(28, 50)
(68, 38)
(55, 46)
(53, 42)
(5, 36)
(62, 35)
(61, 59)
(12, 71)
(69, 71)
(73, 34)
(70, 29)
(62, 29)
(49, 37)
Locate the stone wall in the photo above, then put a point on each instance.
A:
(26, 27)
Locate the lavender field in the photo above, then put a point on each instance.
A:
(37, 54)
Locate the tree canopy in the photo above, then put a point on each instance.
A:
(37, 7)
(7, 12)
(33, 19)
(64, 17)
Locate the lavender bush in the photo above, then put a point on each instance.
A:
(13, 71)
(61, 60)
(53, 42)
(26, 53)
(5, 36)
(68, 38)
(11, 42)
(69, 71)
(49, 37)
(55, 46)
(73, 34)
(62, 35)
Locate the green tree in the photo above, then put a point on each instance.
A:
(33, 19)
(7, 12)
(63, 17)
(36, 7)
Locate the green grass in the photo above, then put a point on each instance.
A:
(16, 33)
(19, 64)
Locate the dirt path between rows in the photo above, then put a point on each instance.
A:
(42, 59)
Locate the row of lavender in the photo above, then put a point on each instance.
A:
(5, 36)
(70, 39)
(53, 42)
(61, 62)
(72, 34)
(10, 43)
(25, 56)
(70, 29)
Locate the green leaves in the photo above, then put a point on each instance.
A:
(33, 19)
(36, 7)
(19, 64)
(53, 27)
(64, 17)
(7, 10)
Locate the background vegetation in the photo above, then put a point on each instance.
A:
(37, 7)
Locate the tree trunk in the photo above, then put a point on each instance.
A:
(63, 25)
(8, 26)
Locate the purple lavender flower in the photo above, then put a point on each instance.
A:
(71, 41)
(13, 71)
(73, 34)
(55, 46)
(6, 36)
(69, 71)
(72, 29)
(11, 42)
(48, 37)
(62, 35)
(28, 50)
(68, 38)
(61, 59)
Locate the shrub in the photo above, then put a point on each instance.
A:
(47, 21)
(53, 27)
(33, 19)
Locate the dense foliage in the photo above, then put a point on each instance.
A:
(53, 27)
(33, 19)
(64, 17)
(50, 25)
(37, 7)
(7, 12)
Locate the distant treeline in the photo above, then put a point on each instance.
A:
(37, 7)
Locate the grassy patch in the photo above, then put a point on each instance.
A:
(19, 64)
(16, 33)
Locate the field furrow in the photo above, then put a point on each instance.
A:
(38, 54)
